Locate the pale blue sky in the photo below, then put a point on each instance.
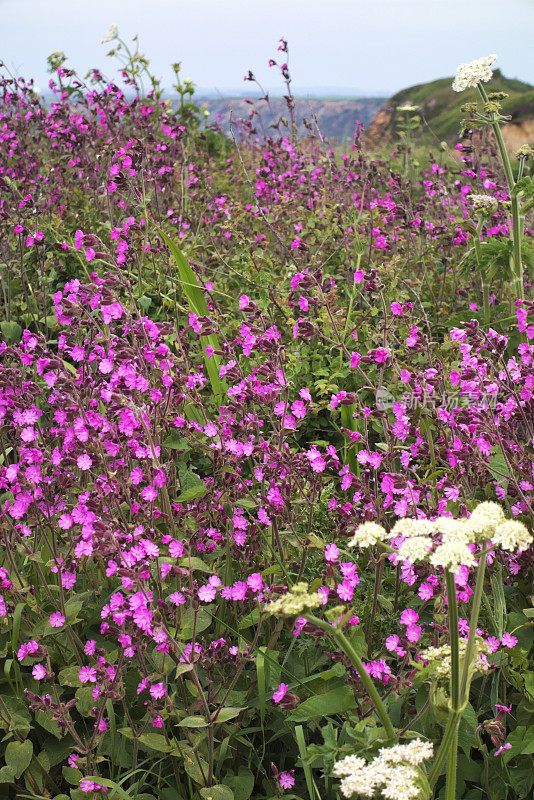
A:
(375, 46)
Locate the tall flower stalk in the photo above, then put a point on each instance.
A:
(473, 75)
(516, 232)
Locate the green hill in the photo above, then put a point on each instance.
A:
(440, 107)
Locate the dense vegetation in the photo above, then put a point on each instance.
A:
(266, 455)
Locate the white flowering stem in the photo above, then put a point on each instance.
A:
(379, 569)
(454, 640)
(345, 645)
(473, 622)
(461, 693)
(455, 682)
(452, 761)
(514, 200)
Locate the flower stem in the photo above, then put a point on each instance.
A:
(514, 200)
(473, 621)
(345, 645)
(454, 639)
(459, 694)
(485, 295)
(449, 736)
(452, 761)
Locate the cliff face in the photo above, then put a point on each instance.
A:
(335, 118)
(441, 114)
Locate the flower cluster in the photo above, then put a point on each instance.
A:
(394, 772)
(294, 602)
(469, 75)
(484, 203)
(446, 542)
(439, 658)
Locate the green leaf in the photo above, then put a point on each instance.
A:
(195, 563)
(241, 784)
(260, 678)
(86, 700)
(218, 792)
(156, 742)
(17, 616)
(522, 741)
(525, 187)
(11, 331)
(336, 701)
(194, 493)
(228, 713)
(69, 676)
(193, 722)
(71, 775)
(193, 762)
(47, 721)
(498, 466)
(203, 621)
(301, 742)
(182, 668)
(7, 775)
(72, 608)
(176, 442)
(19, 756)
(493, 256)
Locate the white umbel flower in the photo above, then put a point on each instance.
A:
(415, 549)
(401, 785)
(295, 601)
(452, 530)
(452, 555)
(413, 753)
(348, 766)
(395, 771)
(368, 534)
(440, 657)
(113, 30)
(411, 527)
(469, 75)
(512, 535)
(485, 519)
(486, 203)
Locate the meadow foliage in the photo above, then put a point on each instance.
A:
(266, 453)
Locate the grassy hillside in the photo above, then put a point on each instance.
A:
(441, 106)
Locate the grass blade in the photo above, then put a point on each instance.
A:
(198, 305)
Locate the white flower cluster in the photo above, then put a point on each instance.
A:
(484, 202)
(468, 75)
(440, 657)
(511, 535)
(394, 771)
(446, 542)
(294, 602)
(110, 34)
(368, 534)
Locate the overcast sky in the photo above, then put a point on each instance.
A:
(375, 46)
